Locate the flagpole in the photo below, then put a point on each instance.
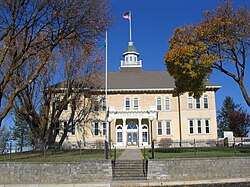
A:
(106, 86)
(130, 26)
(106, 72)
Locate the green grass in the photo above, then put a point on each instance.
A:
(205, 152)
(57, 156)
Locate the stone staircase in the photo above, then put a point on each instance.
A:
(130, 170)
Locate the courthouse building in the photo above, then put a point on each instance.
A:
(142, 107)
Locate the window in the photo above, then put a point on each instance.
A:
(199, 129)
(159, 128)
(96, 105)
(168, 128)
(198, 103)
(136, 103)
(73, 104)
(167, 104)
(135, 58)
(191, 126)
(130, 58)
(73, 128)
(104, 104)
(127, 103)
(57, 103)
(144, 133)
(126, 58)
(205, 101)
(65, 127)
(96, 130)
(104, 128)
(57, 128)
(65, 107)
(158, 103)
(207, 126)
(190, 102)
(119, 134)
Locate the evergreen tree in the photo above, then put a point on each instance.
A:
(21, 133)
(4, 138)
(224, 114)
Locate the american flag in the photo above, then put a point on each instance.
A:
(126, 15)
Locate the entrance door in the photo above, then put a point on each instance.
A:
(132, 138)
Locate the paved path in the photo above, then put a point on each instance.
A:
(131, 154)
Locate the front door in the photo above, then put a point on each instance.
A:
(132, 138)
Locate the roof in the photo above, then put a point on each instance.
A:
(130, 49)
(145, 80)
(134, 81)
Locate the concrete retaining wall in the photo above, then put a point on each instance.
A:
(198, 168)
(42, 173)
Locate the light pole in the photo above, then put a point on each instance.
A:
(151, 118)
(109, 121)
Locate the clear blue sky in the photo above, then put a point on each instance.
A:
(153, 23)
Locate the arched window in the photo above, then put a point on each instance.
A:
(158, 103)
(119, 133)
(132, 126)
(167, 104)
(144, 133)
(190, 102)
(205, 101)
(104, 104)
(198, 103)
(96, 105)
(136, 104)
(127, 104)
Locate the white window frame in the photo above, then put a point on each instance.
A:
(136, 105)
(104, 130)
(94, 128)
(198, 103)
(199, 126)
(167, 104)
(190, 102)
(119, 129)
(127, 101)
(96, 105)
(161, 125)
(189, 126)
(205, 100)
(159, 105)
(207, 125)
(145, 130)
(170, 127)
(104, 104)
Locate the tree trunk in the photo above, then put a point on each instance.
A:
(244, 93)
(39, 144)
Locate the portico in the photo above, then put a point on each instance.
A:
(132, 127)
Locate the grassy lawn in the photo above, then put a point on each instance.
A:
(57, 156)
(161, 153)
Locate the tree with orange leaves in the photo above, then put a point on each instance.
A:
(220, 42)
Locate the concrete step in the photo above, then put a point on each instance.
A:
(129, 170)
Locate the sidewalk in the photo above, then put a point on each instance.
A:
(210, 182)
(131, 154)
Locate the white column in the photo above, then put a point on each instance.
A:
(124, 132)
(139, 132)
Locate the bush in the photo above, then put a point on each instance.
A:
(166, 142)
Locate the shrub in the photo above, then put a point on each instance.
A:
(166, 142)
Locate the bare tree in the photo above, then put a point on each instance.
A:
(31, 31)
(43, 103)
